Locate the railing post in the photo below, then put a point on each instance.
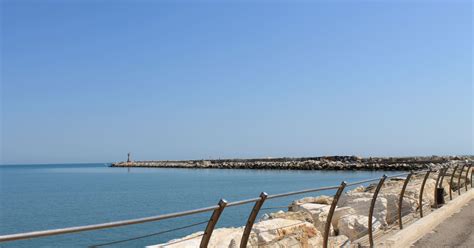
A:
(436, 187)
(442, 180)
(400, 200)
(371, 210)
(465, 179)
(442, 177)
(327, 228)
(459, 179)
(212, 223)
(451, 182)
(471, 179)
(421, 192)
(251, 219)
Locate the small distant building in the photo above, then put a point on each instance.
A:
(128, 158)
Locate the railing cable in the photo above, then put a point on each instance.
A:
(275, 207)
(150, 235)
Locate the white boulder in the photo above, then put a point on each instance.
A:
(221, 237)
(339, 213)
(283, 231)
(355, 226)
(319, 213)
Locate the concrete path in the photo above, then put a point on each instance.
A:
(456, 231)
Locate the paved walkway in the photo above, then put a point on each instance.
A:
(456, 231)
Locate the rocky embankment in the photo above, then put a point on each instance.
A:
(308, 163)
(302, 225)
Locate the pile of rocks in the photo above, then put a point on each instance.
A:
(304, 222)
(310, 163)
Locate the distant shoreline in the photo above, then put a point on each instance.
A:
(308, 163)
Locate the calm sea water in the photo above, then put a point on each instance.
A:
(37, 197)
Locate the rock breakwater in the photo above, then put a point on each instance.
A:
(309, 163)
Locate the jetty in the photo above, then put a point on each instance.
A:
(307, 163)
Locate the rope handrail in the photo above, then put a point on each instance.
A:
(51, 232)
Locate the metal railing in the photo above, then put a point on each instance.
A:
(258, 203)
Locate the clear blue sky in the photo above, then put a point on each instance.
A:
(86, 81)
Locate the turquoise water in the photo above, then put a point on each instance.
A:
(37, 197)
